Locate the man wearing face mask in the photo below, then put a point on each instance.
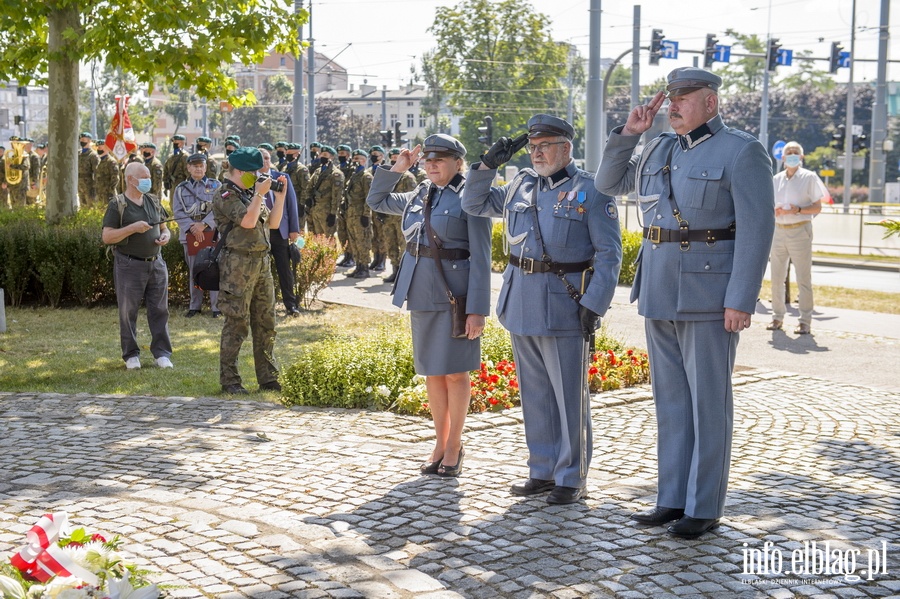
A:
(212, 167)
(175, 170)
(798, 198)
(326, 191)
(280, 162)
(246, 288)
(230, 146)
(347, 169)
(314, 149)
(148, 152)
(135, 224)
(87, 171)
(376, 157)
(107, 177)
(359, 215)
(299, 176)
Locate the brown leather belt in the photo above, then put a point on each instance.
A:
(416, 249)
(130, 257)
(659, 235)
(531, 266)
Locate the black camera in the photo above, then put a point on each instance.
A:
(277, 186)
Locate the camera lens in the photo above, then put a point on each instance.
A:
(277, 186)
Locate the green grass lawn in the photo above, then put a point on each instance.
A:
(76, 350)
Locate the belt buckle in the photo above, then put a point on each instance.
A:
(655, 233)
(527, 265)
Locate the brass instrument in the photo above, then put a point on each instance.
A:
(13, 160)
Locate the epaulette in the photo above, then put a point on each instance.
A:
(742, 134)
(586, 175)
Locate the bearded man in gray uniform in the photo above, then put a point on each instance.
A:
(706, 196)
(565, 254)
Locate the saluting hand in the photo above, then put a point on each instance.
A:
(641, 117)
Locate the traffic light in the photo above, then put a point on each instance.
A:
(709, 53)
(837, 139)
(387, 138)
(774, 47)
(860, 142)
(17, 119)
(399, 140)
(656, 45)
(834, 62)
(487, 132)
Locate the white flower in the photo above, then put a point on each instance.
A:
(418, 378)
(58, 588)
(489, 364)
(384, 390)
(11, 588)
(122, 589)
(369, 389)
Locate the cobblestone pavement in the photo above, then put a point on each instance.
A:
(235, 499)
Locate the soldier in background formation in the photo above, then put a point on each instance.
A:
(175, 170)
(326, 191)
(299, 176)
(280, 160)
(314, 149)
(212, 167)
(347, 168)
(393, 241)
(232, 143)
(148, 151)
(359, 215)
(87, 171)
(376, 158)
(107, 175)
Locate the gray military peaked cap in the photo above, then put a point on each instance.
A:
(543, 125)
(684, 80)
(440, 145)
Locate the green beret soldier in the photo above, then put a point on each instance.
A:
(230, 146)
(299, 174)
(212, 167)
(359, 215)
(326, 192)
(107, 175)
(148, 151)
(87, 171)
(175, 170)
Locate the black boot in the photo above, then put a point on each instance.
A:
(361, 273)
(351, 273)
(375, 261)
(347, 260)
(392, 277)
(380, 266)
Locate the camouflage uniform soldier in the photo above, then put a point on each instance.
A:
(325, 194)
(34, 171)
(148, 151)
(230, 146)
(299, 175)
(359, 215)
(376, 155)
(87, 171)
(347, 168)
(394, 242)
(314, 149)
(246, 286)
(418, 172)
(4, 193)
(212, 167)
(107, 176)
(281, 154)
(175, 170)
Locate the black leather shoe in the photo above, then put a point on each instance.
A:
(216, 314)
(658, 515)
(391, 277)
(294, 312)
(691, 528)
(236, 389)
(270, 386)
(564, 495)
(430, 467)
(191, 313)
(454, 470)
(532, 486)
(361, 273)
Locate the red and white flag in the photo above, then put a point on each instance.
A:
(120, 139)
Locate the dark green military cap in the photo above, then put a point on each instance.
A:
(376, 149)
(393, 151)
(359, 152)
(266, 146)
(315, 144)
(246, 159)
(148, 144)
(328, 149)
(86, 134)
(204, 140)
(281, 144)
(233, 143)
(178, 137)
(344, 148)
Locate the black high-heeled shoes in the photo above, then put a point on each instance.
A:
(430, 467)
(453, 470)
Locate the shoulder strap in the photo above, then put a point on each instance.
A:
(435, 241)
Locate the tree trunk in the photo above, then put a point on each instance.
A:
(62, 126)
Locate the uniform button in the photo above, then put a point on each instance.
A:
(446, 212)
(675, 168)
(659, 217)
(703, 174)
(540, 208)
(706, 267)
(454, 266)
(655, 246)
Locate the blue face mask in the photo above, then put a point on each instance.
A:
(792, 160)
(144, 185)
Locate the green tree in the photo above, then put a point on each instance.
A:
(268, 120)
(808, 75)
(746, 73)
(43, 42)
(109, 83)
(497, 58)
(338, 126)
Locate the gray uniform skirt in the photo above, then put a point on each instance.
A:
(435, 353)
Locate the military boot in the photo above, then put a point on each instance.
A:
(380, 266)
(361, 272)
(375, 261)
(347, 260)
(393, 276)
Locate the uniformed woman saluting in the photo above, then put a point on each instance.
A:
(435, 225)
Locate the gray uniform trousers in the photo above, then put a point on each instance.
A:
(136, 281)
(692, 398)
(554, 407)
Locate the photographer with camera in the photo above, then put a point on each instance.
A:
(282, 236)
(246, 288)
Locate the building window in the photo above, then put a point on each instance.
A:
(422, 121)
(393, 119)
(282, 62)
(410, 120)
(410, 103)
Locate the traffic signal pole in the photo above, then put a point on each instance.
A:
(848, 141)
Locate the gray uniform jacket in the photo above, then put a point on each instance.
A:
(718, 180)
(418, 282)
(576, 224)
(192, 202)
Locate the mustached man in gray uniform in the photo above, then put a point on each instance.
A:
(705, 193)
(565, 253)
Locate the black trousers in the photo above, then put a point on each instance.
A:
(282, 255)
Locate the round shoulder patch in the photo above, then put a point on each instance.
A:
(611, 210)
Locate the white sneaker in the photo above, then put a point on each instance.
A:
(164, 362)
(133, 363)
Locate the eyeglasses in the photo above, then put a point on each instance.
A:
(543, 146)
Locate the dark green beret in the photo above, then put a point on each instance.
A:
(328, 149)
(315, 144)
(86, 134)
(148, 144)
(281, 144)
(376, 149)
(293, 146)
(344, 148)
(236, 138)
(266, 146)
(359, 152)
(232, 142)
(204, 140)
(178, 137)
(246, 159)
(393, 151)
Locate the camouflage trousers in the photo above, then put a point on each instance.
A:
(18, 194)
(86, 193)
(360, 238)
(342, 232)
(247, 301)
(317, 220)
(392, 242)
